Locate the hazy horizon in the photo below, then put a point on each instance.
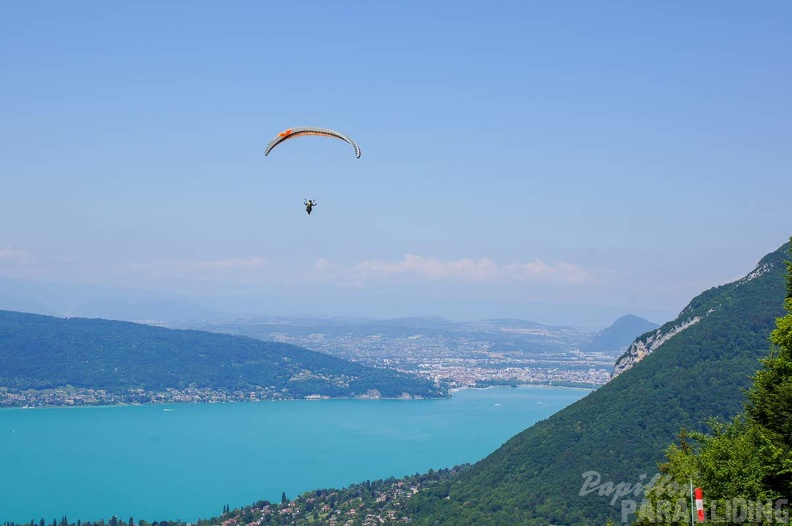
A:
(60, 299)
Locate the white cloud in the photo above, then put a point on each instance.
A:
(221, 264)
(12, 255)
(484, 270)
(540, 271)
(462, 269)
(322, 265)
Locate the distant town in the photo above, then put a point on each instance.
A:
(460, 362)
(496, 352)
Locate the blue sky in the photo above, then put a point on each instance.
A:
(518, 157)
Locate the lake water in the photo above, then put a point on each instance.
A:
(166, 462)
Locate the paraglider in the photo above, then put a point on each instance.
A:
(303, 131)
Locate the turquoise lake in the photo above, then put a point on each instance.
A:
(168, 462)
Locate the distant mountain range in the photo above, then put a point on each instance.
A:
(691, 368)
(43, 353)
(156, 306)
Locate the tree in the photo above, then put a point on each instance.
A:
(284, 499)
(770, 399)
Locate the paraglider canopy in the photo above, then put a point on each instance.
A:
(303, 131)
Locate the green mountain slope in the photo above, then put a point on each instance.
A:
(621, 430)
(43, 352)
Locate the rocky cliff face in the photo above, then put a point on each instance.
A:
(642, 347)
(698, 309)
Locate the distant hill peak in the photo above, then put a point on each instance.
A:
(620, 334)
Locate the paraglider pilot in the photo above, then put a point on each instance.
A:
(309, 204)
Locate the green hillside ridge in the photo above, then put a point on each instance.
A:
(708, 304)
(43, 353)
(744, 465)
(621, 430)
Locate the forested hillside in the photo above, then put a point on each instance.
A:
(43, 352)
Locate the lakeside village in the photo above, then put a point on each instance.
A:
(72, 396)
(371, 503)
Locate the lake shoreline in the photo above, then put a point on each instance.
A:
(67, 397)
